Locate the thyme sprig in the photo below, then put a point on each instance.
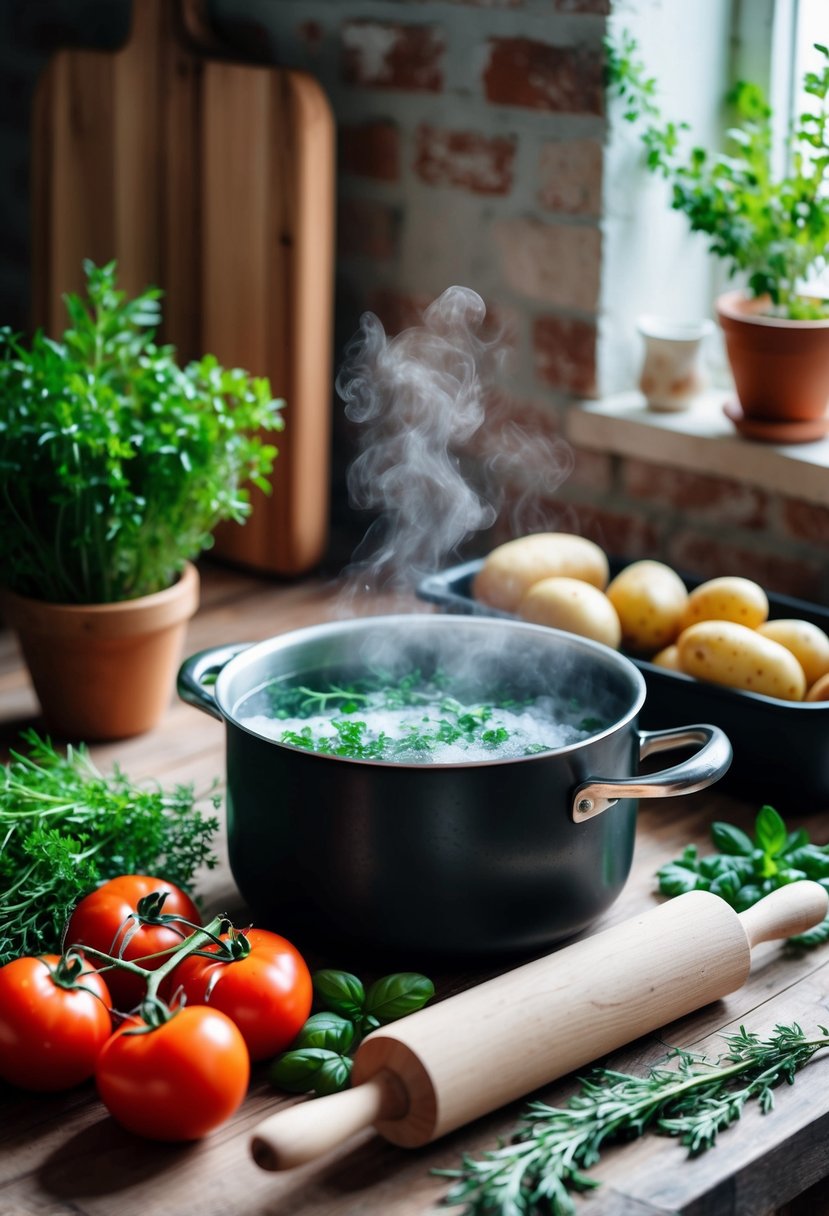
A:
(537, 1172)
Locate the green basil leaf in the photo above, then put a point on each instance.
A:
(368, 1022)
(789, 875)
(330, 1031)
(394, 996)
(722, 863)
(676, 880)
(812, 859)
(730, 839)
(296, 1071)
(727, 886)
(797, 840)
(333, 1076)
(340, 992)
(747, 896)
(770, 831)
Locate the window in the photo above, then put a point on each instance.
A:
(798, 25)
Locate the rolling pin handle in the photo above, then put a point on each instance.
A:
(301, 1133)
(788, 910)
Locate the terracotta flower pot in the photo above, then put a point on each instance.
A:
(104, 671)
(780, 367)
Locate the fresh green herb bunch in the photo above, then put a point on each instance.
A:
(544, 1163)
(65, 827)
(320, 1059)
(746, 868)
(115, 463)
(774, 230)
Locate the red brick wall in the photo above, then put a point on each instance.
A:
(471, 150)
(471, 138)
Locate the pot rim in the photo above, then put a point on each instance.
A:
(747, 310)
(251, 655)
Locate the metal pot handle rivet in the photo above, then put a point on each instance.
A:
(702, 769)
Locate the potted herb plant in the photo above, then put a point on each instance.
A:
(771, 230)
(116, 464)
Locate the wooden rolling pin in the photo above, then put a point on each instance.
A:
(459, 1059)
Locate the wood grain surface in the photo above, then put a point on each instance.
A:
(214, 181)
(64, 1156)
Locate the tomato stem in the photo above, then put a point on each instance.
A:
(201, 937)
(192, 944)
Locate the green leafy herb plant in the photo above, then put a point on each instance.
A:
(116, 463)
(772, 229)
(746, 867)
(65, 827)
(320, 1059)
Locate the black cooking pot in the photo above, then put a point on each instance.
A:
(475, 858)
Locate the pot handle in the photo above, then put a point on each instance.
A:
(193, 672)
(702, 769)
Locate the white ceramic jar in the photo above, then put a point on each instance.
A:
(672, 374)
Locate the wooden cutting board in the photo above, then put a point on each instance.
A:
(215, 181)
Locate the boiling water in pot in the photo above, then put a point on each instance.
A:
(412, 720)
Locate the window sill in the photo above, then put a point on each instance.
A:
(703, 440)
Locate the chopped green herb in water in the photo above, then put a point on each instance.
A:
(412, 719)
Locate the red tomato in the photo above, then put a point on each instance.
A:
(267, 993)
(103, 920)
(50, 1034)
(177, 1081)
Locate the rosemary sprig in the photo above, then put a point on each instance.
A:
(544, 1163)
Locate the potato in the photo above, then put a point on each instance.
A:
(578, 607)
(724, 652)
(727, 599)
(819, 690)
(668, 658)
(807, 642)
(509, 571)
(650, 599)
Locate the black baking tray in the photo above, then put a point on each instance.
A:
(781, 748)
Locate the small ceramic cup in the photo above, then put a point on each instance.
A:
(672, 374)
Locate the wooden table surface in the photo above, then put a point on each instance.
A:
(64, 1156)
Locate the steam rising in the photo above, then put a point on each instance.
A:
(420, 400)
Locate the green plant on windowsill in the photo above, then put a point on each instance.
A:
(771, 230)
(116, 463)
(774, 230)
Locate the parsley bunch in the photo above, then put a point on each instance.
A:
(64, 828)
(116, 463)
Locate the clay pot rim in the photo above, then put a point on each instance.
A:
(748, 310)
(143, 614)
